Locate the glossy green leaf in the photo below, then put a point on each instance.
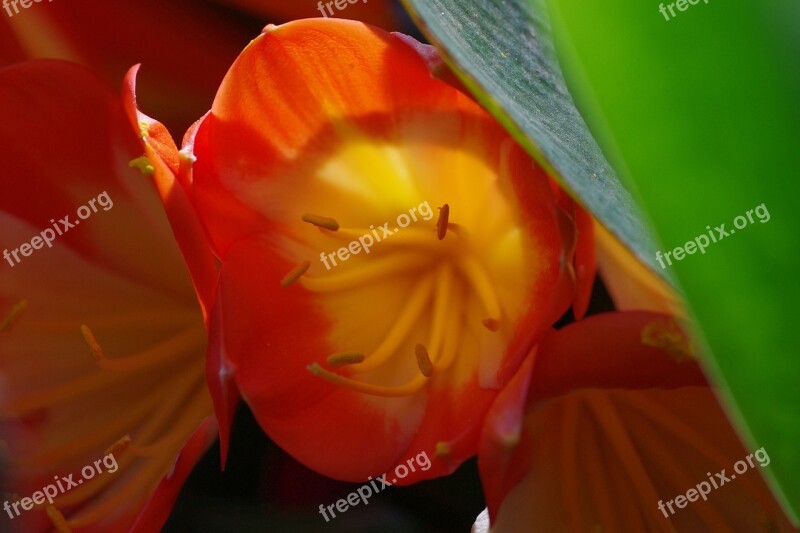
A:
(503, 53)
(702, 108)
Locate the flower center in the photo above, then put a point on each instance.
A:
(445, 275)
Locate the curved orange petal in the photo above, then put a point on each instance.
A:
(162, 500)
(63, 404)
(171, 172)
(614, 428)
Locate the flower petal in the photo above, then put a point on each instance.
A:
(614, 425)
(116, 277)
(633, 286)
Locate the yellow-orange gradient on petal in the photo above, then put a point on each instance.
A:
(104, 361)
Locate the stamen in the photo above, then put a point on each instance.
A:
(91, 341)
(186, 341)
(86, 385)
(452, 340)
(186, 159)
(120, 446)
(376, 269)
(441, 306)
(131, 318)
(141, 480)
(375, 390)
(121, 424)
(482, 284)
(491, 324)
(59, 522)
(410, 236)
(346, 358)
(458, 229)
(13, 315)
(423, 360)
(321, 222)
(83, 386)
(176, 406)
(409, 316)
(173, 406)
(442, 221)
(171, 442)
(295, 274)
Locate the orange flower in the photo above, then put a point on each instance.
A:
(389, 253)
(103, 341)
(607, 423)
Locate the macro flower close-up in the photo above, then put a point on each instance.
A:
(409, 248)
(102, 345)
(397, 265)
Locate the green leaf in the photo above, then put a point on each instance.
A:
(502, 51)
(703, 111)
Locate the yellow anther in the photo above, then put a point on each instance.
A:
(443, 449)
(58, 520)
(423, 360)
(442, 221)
(120, 446)
(295, 274)
(344, 359)
(321, 222)
(143, 165)
(13, 315)
(91, 341)
(666, 334)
